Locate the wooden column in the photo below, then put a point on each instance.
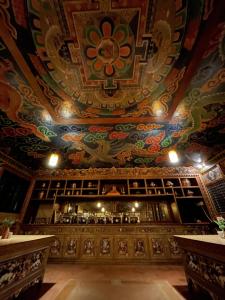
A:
(25, 204)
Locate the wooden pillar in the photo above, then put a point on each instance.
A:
(25, 205)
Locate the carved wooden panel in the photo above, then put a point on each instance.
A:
(88, 247)
(174, 249)
(158, 247)
(140, 248)
(122, 247)
(105, 247)
(56, 247)
(71, 247)
(119, 243)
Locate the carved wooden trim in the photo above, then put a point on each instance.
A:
(122, 173)
(120, 243)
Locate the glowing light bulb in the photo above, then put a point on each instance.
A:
(133, 209)
(158, 108)
(136, 204)
(103, 209)
(173, 156)
(199, 166)
(66, 110)
(46, 117)
(99, 204)
(53, 160)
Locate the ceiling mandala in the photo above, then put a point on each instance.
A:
(111, 83)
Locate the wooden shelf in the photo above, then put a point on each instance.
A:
(43, 200)
(189, 197)
(169, 203)
(139, 188)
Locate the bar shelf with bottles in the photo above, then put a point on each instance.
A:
(116, 201)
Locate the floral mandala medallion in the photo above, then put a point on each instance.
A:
(109, 49)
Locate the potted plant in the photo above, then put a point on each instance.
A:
(220, 221)
(6, 225)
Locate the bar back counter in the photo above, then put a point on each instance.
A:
(115, 243)
(22, 263)
(118, 215)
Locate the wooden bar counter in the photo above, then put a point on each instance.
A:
(131, 243)
(204, 263)
(22, 262)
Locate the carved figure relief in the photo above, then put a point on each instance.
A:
(157, 247)
(105, 247)
(173, 246)
(71, 247)
(89, 247)
(123, 247)
(139, 248)
(210, 270)
(20, 267)
(55, 248)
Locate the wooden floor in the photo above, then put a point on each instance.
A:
(59, 276)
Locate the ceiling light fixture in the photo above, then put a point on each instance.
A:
(136, 204)
(53, 160)
(159, 112)
(46, 117)
(66, 110)
(200, 165)
(133, 209)
(103, 209)
(158, 108)
(173, 156)
(99, 204)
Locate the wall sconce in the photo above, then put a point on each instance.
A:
(173, 156)
(53, 160)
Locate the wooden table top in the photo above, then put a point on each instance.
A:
(206, 245)
(15, 239)
(212, 239)
(23, 244)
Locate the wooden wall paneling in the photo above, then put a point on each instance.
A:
(71, 249)
(56, 249)
(105, 244)
(88, 247)
(140, 249)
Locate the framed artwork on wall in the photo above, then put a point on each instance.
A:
(212, 175)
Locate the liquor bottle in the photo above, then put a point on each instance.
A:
(122, 190)
(103, 191)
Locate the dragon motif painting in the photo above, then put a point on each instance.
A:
(111, 83)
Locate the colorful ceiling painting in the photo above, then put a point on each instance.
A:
(111, 83)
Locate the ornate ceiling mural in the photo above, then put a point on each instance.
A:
(111, 83)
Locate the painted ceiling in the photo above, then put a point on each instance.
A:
(111, 83)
